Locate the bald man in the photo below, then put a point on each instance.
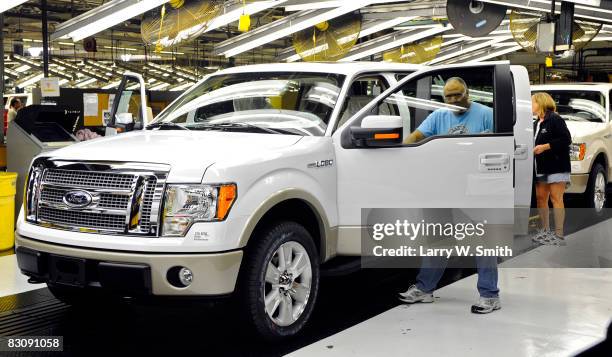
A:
(473, 119)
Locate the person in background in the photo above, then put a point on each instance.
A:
(552, 166)
(14, 107)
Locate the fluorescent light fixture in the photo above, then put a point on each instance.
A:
(172, 53)
(103, 17)
(66, 43)
(23, 68)
(284, 27)
(182, 87)
(367, 30)
(161, 86)
(86, 82)
(9, 4)
(30, 81)
(495, 54)
(300, 5)
(233, 14)
(126, 57)
(35, 51)
(309, 5)
(467, 49)
(112, 85)
(394, 40)
(121, 48)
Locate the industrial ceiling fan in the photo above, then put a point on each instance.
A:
(178, 21)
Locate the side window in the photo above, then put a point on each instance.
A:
(362, 91)
(446, 102)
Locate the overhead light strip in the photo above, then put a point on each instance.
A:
(391, 41)
(9, 4)
(104, 17)
(287, 26)
(368, 29)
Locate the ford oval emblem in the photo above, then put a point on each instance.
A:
(77, 199)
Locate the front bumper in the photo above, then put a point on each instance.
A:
(126, 272)
(579, 183)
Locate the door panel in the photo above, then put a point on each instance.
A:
(438, 172)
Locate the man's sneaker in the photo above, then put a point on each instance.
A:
(486, 305)
(541, 236)
(414, 294)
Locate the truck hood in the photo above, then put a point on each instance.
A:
(188, 153)
(581, 129)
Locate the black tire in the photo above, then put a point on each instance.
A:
(592, 190)
(252, 284)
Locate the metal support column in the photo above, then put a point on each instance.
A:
(45, 37)
(1, 61)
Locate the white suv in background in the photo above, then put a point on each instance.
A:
(586, 110)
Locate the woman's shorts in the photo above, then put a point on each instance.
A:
(554, 178)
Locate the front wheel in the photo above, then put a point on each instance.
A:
(596, 188)
(280, 281)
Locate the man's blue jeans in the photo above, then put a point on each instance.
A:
(432, 269)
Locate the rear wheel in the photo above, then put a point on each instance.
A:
(280, 281)
(596, 188)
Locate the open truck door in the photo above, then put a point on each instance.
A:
(450, 169)
(130, 109)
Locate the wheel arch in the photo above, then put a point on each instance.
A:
(294, 205)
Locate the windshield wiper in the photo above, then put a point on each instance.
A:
(241, 125)
(167, 125)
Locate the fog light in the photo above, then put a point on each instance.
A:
(185, 276)
(179, 276)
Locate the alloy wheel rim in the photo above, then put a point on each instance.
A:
(599, 194)
(288, 282)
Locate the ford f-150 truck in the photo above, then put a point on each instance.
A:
(586, 110)
(253, 179)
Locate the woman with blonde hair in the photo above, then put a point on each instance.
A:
(552, 166)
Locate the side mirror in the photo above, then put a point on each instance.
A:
(378, 131)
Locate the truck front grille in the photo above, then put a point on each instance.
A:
(89, 179)
(96, 221)
(119, 200)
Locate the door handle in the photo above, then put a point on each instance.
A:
(494, 163)
(520, 152)
(499, 161)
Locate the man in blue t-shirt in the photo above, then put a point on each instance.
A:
(473, 119)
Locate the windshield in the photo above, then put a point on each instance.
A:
(287, 103)
(580, 105)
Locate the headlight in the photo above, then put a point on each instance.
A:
(577, 152)
(32, 191)
(187, 204)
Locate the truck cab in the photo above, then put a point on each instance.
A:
(254, 178)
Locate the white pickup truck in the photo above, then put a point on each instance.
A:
(586, 110)
(255, 178)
